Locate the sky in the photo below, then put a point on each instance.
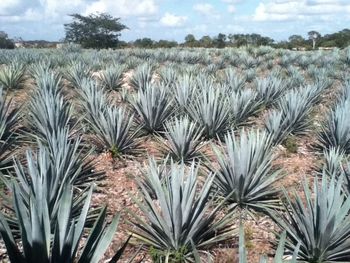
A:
(174, 19)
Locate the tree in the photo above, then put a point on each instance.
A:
(339, 39)
(296, 41)
(314, 35)
(166, 44)
(94, 30)
(239, 40)
(5, 42)
(144, 43)
(206, 42)
(220, 40)
(190, 41)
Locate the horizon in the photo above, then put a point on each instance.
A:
(173, 20)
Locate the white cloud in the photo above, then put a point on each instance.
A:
(124, 8)
(16, 7)
(231, 9)
(206, 9)
(57, 10)
(29, 15)
(7, 4)
(232, 1)
(171, 20)
(283, 10)
(200, 30)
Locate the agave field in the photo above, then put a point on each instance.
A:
(174, 155)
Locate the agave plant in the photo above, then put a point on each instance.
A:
(318, 222)
(76, 73)
(142, 76)
(335, 132)
(250, 74)
(296, 108)
(269, 89)
(58, 164)
(93, 100)
(184, 220)
(248, 62)
(333, 164)
(291, 118)
(153, 167)
(183, 140)
(245, 172)
(244, 105)
(71, 160)
(185, 89)
(9, 117)
(314, 92)
(9, 126)
(48, 110)
(111, 78)
(210, 109)
(336, 164)
(168, 76)
(296, 79)
(345, 93)
(39, 69)
(45, 240)
(277, 126)
(13, 76)
(153, 107)
(233, 80)
(114, 130)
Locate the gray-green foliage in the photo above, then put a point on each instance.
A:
(76, 72)
(270, 89)
(49, 111)
(46, 240)
(112, 77)
(233, 80)
(211, 110)
(12, 76)
(57, 163)
(142, 76)
(335, 131)
(183, 140)
(245, 173)
(9, 116)
(93, 100)
(184, 219)
(291, 117)
(319, 222)
(334, 160)
(168, 76)
(244, 104)
(184, 91)
(9, 121)
(153, 106)
(115, 131)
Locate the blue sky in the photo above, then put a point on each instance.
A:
(174, 19)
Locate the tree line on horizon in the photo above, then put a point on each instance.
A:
(101, 30)
(313, 40)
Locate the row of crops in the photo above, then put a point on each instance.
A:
(218, 119)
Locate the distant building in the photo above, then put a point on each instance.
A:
(326, 48)
(299, 48)
(60, 45)
(37, 44)
(19, 45)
